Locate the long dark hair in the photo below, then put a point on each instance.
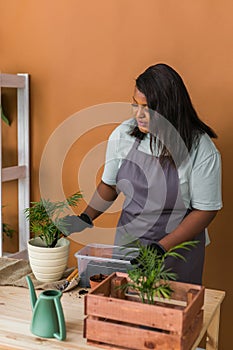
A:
(168, 97)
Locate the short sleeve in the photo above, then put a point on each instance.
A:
(206, 183)
(112, 160)
(119, 144)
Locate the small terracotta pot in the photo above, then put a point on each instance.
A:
(96, 279)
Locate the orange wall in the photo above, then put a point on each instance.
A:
(83, 53)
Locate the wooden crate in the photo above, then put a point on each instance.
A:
(115, 322)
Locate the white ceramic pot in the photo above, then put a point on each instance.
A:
(48, 264)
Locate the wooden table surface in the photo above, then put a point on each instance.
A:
(16, 315)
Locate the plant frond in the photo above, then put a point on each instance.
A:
(74, 199)
(146, 276)
(4, 117)
(45, 217)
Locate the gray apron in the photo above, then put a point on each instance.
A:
(153, 207)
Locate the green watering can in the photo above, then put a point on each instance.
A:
(48, 318)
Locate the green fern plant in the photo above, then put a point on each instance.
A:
(149, 278)
(7, 230)
(46, 220)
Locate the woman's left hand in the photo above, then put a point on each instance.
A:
(192, 225)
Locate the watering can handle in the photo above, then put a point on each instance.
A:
(61, 321)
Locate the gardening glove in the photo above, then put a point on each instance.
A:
(74, 223)
(158, 248)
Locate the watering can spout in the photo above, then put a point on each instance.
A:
(32, 291)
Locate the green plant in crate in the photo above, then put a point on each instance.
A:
(46, 220)
(148, 276)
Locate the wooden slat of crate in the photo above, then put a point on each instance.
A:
(193, 309)
(134, 312)
(128, 337)
(181, 290)
(104, 288)
(192, 333)
(114, 336)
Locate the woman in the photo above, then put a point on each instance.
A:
(169, 170)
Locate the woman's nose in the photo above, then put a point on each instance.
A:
(140, 112)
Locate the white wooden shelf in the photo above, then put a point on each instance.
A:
(14, 173)
(21, 171)
(12, 80)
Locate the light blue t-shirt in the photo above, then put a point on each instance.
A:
(199, 176)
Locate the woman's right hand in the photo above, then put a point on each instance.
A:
(74, 223)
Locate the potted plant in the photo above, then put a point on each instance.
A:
(96, 279)
(164, 314)
(48, 251)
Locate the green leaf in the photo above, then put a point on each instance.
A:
(4, 118)
(7, 230)
(74, 199)
(46, 219)
(150, 277)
